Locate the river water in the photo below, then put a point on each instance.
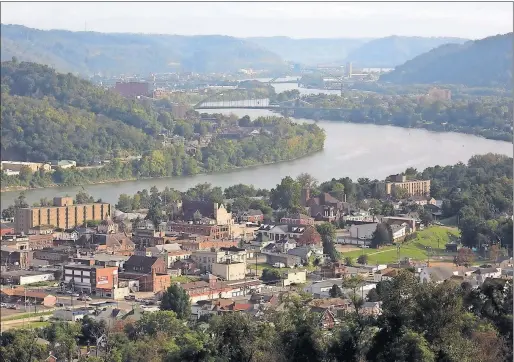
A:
(352, 150)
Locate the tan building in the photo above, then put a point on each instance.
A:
(33, 166)
(229, 270)
(63, 215)
(413, 187)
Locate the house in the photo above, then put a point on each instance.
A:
(145, 264)
(254, 216)
(212, 210)
(481, 274)
(297, 219)
(399, 231)
(107, 226)
(328, 320)
(371, 308)
(324, 207)
(436, 274)
(418, 200)
(292, 278)
(6, 229)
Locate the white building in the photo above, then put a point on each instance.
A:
(364, 231)
(399, 231)
(24, 277)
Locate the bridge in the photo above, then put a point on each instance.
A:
(285, 81)
(228, 103)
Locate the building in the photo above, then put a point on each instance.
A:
(93, 279)
(413, 187)
(63, 215)
(297, 219)
(64, 164)
(32, 166)
(193, 245)
(13, 294)
(133, 89)
(363, 231)
(205, 259)
(213, 289)
(23, 277)
(210, 230)
(6, 230)
(251, 215)
(21, 258)
(151, 272)
(229, 270)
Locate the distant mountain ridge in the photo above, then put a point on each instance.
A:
(91, 52)
(309, 51)
(385, 52)
(481, 63)
(394, 50)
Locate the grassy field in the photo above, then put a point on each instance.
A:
(185, 279)
(435, 237)
(27, 315)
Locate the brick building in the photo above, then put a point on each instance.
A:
(64, 214)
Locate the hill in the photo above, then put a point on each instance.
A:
(47, 115)
(483, 63)
(394, 50)
(89, 53)
(309, 51)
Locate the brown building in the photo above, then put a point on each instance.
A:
(149, 271)
(438, 94)
(63, 215)
(413, 187)
(213, 231)
(206, 245)
(132, 89)
(21, 258)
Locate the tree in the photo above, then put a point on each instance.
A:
(494, 252)
(348, 261)
(399, 193)
(84, 198)
(8, 213)
(426, 217)
(335, 291)
(306, 181)
(176, 299)
(26, 174)
(465, 256)
(286, 195)
(92, 331)
(373, 296)
(271, 275)
(125, 203)
(328, 235)
(362, 259)
(21, 345)
(383, 235)
(21, 201)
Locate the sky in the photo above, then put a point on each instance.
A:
(247, 19)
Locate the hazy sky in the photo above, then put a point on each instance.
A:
(300, 20)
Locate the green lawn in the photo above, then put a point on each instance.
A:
(185, 279)
(435, 237)
(27, 315)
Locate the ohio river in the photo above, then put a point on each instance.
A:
(352, 150)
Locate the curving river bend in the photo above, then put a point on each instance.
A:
(352, 150)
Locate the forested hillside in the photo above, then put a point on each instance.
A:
(482, 63)
(88, 53)
(50, 116)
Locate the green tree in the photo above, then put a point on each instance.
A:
(176, 299)
(21, 345)
(383, 235)
(335, 291)
(328, 236)
(271, 275)
(84, 198)
(125, 203)
(363, 259)
(286, 195)
(348, 261)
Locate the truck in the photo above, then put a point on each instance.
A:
(279, 265)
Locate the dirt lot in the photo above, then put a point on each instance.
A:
(346, 248)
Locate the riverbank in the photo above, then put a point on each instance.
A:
(117, 180)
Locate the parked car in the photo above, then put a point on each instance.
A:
(130, 297)
(59, 304)
(75, 294)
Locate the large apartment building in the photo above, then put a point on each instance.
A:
(63, 215)
(413, 187)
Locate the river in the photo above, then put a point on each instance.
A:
(352, 150)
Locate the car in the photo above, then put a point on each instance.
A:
(12, 306)
(75, 294)
(69, 292)
(59, 304)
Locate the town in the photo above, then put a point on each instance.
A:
(65, 260)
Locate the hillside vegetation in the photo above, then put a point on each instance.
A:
(89, 53)
(482, 63)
